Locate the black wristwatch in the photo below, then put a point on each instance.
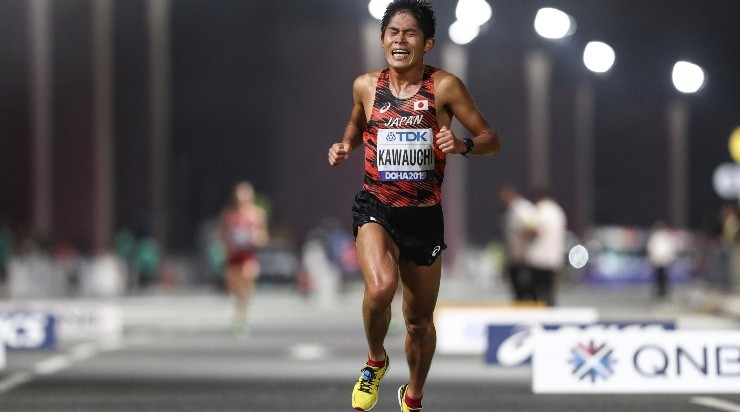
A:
(469, 145)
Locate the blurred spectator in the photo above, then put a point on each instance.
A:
(494, 254)
(6, 252)
(67, 258)
(216, 258)
(320, 277)
(520, 215)
(718, 255)
(661, 252)
(124, 244)
(546, 253)
(340, 245)
(729, 223)
(147, 261)
(211, 252)
(731, 230)
(243, 229)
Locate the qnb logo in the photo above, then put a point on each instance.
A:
(592, 361)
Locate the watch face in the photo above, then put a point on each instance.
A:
(469, 144)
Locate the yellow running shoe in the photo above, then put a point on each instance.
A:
(365, 393)
(402, 400)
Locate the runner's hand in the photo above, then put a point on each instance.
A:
(447, 142)
(338, 152)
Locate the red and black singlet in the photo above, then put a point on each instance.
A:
(238, 231)
(403, 166)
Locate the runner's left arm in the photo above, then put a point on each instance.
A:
(460, 104)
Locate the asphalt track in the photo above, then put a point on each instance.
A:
(176, 354)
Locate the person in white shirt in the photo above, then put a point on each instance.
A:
(546, 253)
(661, 251)
(519, 217)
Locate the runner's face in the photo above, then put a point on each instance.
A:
(403, 42)
(244, 193)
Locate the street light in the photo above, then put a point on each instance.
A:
(463, 33)
(598, 57)
(377, 8)
(474, 12)
(471, 14)
(688, 77)
(554, 24)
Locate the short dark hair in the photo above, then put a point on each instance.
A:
(422, 11)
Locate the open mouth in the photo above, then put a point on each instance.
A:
(399, 53)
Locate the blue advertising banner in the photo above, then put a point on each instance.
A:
(28, 330)
(513, 344)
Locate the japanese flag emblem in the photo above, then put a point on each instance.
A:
(421, 105)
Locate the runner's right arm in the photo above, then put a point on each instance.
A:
(357, 123)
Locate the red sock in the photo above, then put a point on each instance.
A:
(412, 403)
(375, 364)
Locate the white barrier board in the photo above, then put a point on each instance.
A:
(76, 320)
(463, 330)
(680, 361)
(3, 356)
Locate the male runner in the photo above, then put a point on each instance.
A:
(402, 114)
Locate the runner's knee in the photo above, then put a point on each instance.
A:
(419, 328)
(380, 295)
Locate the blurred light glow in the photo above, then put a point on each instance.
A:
(553, 24)
(463, 33)
(734, 144)
(377, 8)
(474, 12)
(578, 256)
(598, 57)
(688, 77)
(726, 181)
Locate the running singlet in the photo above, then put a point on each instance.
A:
(238, 232)
(403, 166)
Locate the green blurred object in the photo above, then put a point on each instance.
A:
(217, 257)
(125, 245)
(6, 251)
(147, 258)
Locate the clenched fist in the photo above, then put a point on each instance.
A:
(338, 152)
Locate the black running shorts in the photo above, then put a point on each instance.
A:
(418, 231)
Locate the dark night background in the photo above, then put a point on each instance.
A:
(261, 88)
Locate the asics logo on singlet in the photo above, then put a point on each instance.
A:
(385, 107)
(436, 250)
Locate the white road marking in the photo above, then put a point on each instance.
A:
(715, 403)
(52, 365)
(14, 381)
(56, 363)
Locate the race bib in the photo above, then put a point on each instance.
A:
(405, 154)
